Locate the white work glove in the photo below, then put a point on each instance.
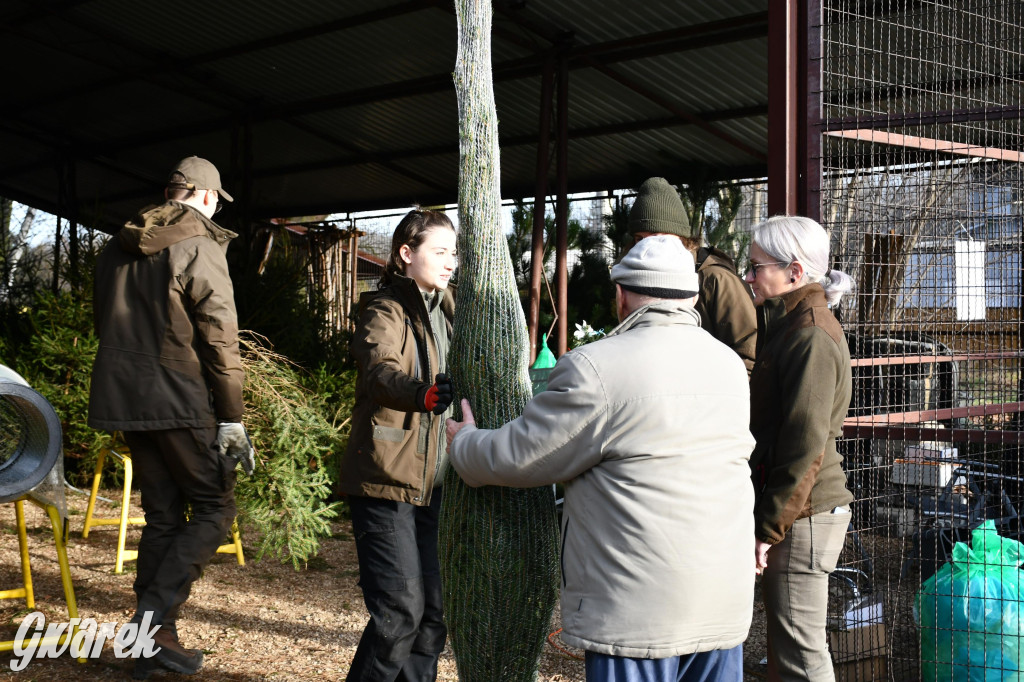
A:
(233, 441)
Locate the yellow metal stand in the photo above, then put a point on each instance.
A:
(62, 559)
(235, 546)
(122, 521)
(124, 457)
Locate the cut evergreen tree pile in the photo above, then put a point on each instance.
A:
(286, 499)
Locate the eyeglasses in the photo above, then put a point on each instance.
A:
(219, 205)
(752, 266)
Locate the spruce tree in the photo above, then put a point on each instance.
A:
(499, 546)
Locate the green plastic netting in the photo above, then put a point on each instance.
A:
(499, 546)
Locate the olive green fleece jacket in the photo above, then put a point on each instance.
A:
(165, 316)
(725, 305)
(799, 394)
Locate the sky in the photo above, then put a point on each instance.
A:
(45, 224)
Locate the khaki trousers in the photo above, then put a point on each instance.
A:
(794, 588)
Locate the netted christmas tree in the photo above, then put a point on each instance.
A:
(499, 546)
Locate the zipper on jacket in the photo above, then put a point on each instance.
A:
(565, 535)
(423, 355)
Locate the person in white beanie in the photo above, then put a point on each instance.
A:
(723, 300)
(653, 447)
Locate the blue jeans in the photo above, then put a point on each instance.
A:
(400, 575)
(717, 665)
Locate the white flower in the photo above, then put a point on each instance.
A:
(585, 333)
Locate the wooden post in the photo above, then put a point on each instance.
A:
(350, 322)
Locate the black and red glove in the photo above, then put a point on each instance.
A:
(437, 397)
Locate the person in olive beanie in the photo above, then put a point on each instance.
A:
(724, 303)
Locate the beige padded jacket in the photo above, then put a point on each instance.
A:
(648, 430)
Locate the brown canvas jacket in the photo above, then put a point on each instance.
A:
(392, 450)
(165, 315)
(800, 392)
(725, 305)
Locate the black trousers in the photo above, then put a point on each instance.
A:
(173, 467)
(400, 576)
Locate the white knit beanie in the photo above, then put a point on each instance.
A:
(658, 266)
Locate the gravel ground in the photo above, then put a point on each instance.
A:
(261, 621)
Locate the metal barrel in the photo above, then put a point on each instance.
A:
(30, 436)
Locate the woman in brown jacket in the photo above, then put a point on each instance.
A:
(394, 465)
(800, 392)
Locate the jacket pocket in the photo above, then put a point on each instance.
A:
(389, 434)
(380, 556)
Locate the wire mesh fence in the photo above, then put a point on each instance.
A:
(922, 190)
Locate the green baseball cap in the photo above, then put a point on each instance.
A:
(199, 174)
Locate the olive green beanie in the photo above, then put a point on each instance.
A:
(659, 210)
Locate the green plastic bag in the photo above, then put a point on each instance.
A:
(969, 612)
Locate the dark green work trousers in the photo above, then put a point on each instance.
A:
(173, 467)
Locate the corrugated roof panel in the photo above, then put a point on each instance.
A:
(342, 188)
(602, 22)
(47, 58)
(595, 99)
(422, 121)
(403, 49)
(352, 103)
(194, 27)
(706, 79)
(280, 143)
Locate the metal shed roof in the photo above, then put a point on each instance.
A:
(322, 106)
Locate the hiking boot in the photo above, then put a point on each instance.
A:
(144, 667)
(173, 656)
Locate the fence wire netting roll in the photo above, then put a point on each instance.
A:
(499, 546)
(922, 187)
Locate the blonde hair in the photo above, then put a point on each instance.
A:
(791, 238)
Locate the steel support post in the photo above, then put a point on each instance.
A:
(794, 107)
(562, 212)
(537, 243)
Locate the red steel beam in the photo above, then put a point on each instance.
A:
(537, 243)
(562, 212)
(783, 38)
(939, 435)
(809, 117)
(934, 415)
(794, 107)
(918, 359)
